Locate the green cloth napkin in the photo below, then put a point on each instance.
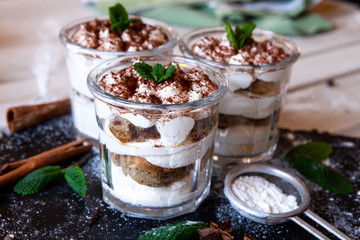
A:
(182, 15)
(304, 25)
(295, 22)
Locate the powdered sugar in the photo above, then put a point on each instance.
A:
(261, 195)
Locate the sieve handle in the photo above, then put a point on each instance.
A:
(326, 225)
(309, 228)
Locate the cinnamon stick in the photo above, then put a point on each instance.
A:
(9, 166)
(44, 159)
(21, 117)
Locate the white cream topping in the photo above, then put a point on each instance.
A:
(170, 91)
(110, 79)
(162, 156)
(104, 33)
(153, 147)
(274, 76)
(84, 117)
(79, 66)
(185, 157)
(139, 120)
(175, 131)
(224, 41)
(102, 109)
(125, 36)
(251, 149)
(238, 80)
(157, 35)
(243, 105)
(243, 134)
(133, 49)
(193, 96)
(128, 190)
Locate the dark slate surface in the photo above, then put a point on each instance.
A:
(58, 213)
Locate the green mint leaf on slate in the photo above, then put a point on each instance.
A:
(241, 36)
(37, 180)
(76, 180)
(322, 175)
(156, 72)
(318, 151)
(179, 231)
(307, 159)
(119, 18)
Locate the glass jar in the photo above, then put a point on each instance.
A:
(79, 62)
(156, 158)
(249, 112)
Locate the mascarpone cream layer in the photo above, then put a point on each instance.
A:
(79, 66)
(128, 190)
(256, 107)
(243, 134)
(158, 155)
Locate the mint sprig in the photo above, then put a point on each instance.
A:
(119, 18)
(179, 231)
(319, 151)
(241, 36)
(76, 180)
(37, 180)
(157, 72)
(307, 159)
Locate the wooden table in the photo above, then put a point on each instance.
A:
(323, 93)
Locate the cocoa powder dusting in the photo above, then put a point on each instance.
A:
(181, 87)
(254, 53)
(98, 34)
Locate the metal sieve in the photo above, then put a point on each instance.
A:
(289, 184)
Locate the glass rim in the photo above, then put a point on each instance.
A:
(106, 97)
(65, 39)
(286, 42)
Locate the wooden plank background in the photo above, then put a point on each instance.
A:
(27, 28)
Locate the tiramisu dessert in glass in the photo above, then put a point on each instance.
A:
(91, 41)
(158, 117)
(257, 65)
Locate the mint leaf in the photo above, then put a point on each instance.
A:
(106, 158)
(247, 30)
(132, 20)
(144, 70)
(232, 36)
(117, 13)
(119, 18)
(241, 36)
(156, 72)
(169, 71)
(37, 180)
(179, 231)
(322, 175)
(318, 151)
(75, 178)
(237, 30)
(307, 158)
